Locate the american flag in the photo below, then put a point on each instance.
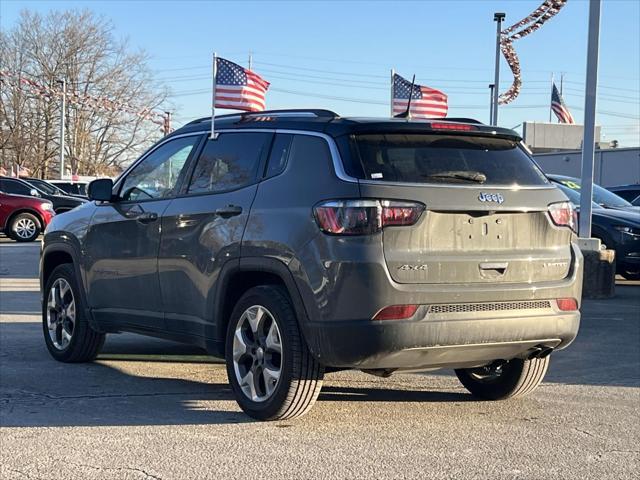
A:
(426, 102)
(559, 108)
(239, 88)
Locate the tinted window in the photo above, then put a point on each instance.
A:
(601, 195)
(279, 154)
(418, 158)
(229, 162)
(15, 187)
(574, 195)
(311, 150)
(44, 186)
(157, 175)
(74, 188)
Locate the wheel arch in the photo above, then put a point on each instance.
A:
(23, 210)
(237, 278)
(59, 253)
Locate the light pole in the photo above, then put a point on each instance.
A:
(498, 18)
(588, 142)
(63, 102)
(491, 88)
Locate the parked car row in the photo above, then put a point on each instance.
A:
(615, 221)
(22, 218)
(27, 205)
(62, 202)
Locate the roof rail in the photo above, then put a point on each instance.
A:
(296, 112)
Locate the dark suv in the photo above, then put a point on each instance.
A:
(296, 242)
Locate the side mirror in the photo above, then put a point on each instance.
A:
(34, 193)
(100, 190)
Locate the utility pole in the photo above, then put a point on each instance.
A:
(166, 127)
(63, 102)
(491, 87)
(588, 141)
(498, 18)
(393, 75)
(551, 98)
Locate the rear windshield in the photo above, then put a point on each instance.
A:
(419, 158)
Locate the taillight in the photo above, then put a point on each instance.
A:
(396, 312)
(567, 304)
(362, 217)
(564, 215)
(455, 127)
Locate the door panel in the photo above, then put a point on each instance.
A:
(122, 266)
(199, 235)
(203, 230)
(123, 239)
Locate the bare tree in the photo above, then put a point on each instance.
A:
(110, 90)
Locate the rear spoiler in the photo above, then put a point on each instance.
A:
(437, 126)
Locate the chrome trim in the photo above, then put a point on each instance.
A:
(338, 166)
(447, 185)
(333, 148)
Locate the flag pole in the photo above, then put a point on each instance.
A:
(551, 98)
(213, 99)
(393, 74)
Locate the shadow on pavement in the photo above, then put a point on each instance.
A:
(127, 385)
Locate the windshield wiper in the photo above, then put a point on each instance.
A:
(468, 176)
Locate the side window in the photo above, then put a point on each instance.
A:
(229, 162)
(17, 188)
(279, 155)
(157, 175)
(311, 150)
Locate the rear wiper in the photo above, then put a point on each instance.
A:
(469, 176)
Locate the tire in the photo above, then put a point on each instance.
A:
(24, 227)
(84, 343)
(631, 275)
(300, 375)
(516, 378)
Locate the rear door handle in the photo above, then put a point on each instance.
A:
(147, 217)
(493, 269)
(229, 211)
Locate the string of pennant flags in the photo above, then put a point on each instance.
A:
(239, 88)
(532, 22)
(24, 83)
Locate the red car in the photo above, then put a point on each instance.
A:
(23, 218)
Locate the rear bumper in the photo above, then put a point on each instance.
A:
(440, 343)
(340, 333)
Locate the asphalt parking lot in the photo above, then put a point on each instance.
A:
(153, 409)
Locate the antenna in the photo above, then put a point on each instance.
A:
(407, 113)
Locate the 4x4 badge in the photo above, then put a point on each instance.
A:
(491, 197)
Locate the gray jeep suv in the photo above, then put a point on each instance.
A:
(299, 242)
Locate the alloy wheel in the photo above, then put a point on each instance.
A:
(257, 353)
(25, 228)
(61, 313)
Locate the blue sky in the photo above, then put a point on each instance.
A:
(338, 54)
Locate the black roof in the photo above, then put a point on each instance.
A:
(326, 121)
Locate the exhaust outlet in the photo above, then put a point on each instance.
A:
(534, 353)
(539, 351)
(546, 351)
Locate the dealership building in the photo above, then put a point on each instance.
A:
(558, 149)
